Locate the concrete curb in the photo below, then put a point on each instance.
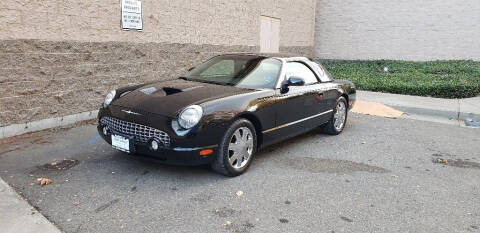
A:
(454, 111)
(17, 129)
(17, 216)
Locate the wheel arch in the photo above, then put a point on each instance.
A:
(256, 123)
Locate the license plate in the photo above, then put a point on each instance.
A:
(121, 143)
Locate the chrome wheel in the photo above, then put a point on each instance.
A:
(240, 147)
(340, 115)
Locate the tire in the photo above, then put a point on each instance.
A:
(234, 157)
(333, 126)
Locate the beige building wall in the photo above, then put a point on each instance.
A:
(60, 57)
(400, 30)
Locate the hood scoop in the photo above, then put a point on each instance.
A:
(166, 91)
(171, 90)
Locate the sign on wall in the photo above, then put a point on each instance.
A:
(132, 15)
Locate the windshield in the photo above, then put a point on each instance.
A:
(241, 71)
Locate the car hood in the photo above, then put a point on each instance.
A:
(169, 97)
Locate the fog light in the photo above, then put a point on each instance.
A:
(105, 130)
(154, 145)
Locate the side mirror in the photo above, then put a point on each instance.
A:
(191, 69)
(295, 81)
(292, 81)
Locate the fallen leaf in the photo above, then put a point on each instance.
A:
(44, 181)
(239, 193)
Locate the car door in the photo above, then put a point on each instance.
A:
(315, 94)
(302, 107)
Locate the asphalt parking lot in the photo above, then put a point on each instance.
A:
(380, 175)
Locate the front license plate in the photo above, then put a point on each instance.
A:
(121, 143)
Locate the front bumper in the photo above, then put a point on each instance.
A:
(168, 155)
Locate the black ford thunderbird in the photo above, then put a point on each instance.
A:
(222, 111)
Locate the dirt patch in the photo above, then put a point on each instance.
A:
(21, 142)
(283, 220)
(225, 212)
(346, 219)
(375, 109)
(457, 163)
(317, 165)
(105, 206)
(454, 161)
(53, 168)
(27, 140)
(243, 227)
(60, 165)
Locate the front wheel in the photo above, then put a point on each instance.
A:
(336, 124)
(237, 149)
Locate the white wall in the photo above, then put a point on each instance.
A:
(400, 29)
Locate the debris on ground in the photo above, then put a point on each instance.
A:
(283, 220)
(44, 181)
(460, 163)
(375, 109)
(239, 193)
(227, 223)
(440, 160)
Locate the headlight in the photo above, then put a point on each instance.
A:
(190, 116)
(109, 98)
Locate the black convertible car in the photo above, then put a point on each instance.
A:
(222, 111)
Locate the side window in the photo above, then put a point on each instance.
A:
(300, 70)
(320, 71)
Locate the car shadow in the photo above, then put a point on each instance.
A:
(139, 164)
(264, 153)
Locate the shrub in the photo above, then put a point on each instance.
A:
(445, 79)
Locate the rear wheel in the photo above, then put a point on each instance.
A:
(336, 124)
(237, 149)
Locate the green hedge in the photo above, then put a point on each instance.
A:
(445, 79)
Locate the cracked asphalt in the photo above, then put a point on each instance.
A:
(380, 175)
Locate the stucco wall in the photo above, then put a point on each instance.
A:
(217, 22)
(60, 57)
(403, 29)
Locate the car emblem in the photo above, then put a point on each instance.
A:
(130, 112)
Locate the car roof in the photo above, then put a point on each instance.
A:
(268, 55)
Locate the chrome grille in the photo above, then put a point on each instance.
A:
(141, 133)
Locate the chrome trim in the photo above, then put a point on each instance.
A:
(140, 133)
(195, 148)
(130, 112)
(296, 122)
